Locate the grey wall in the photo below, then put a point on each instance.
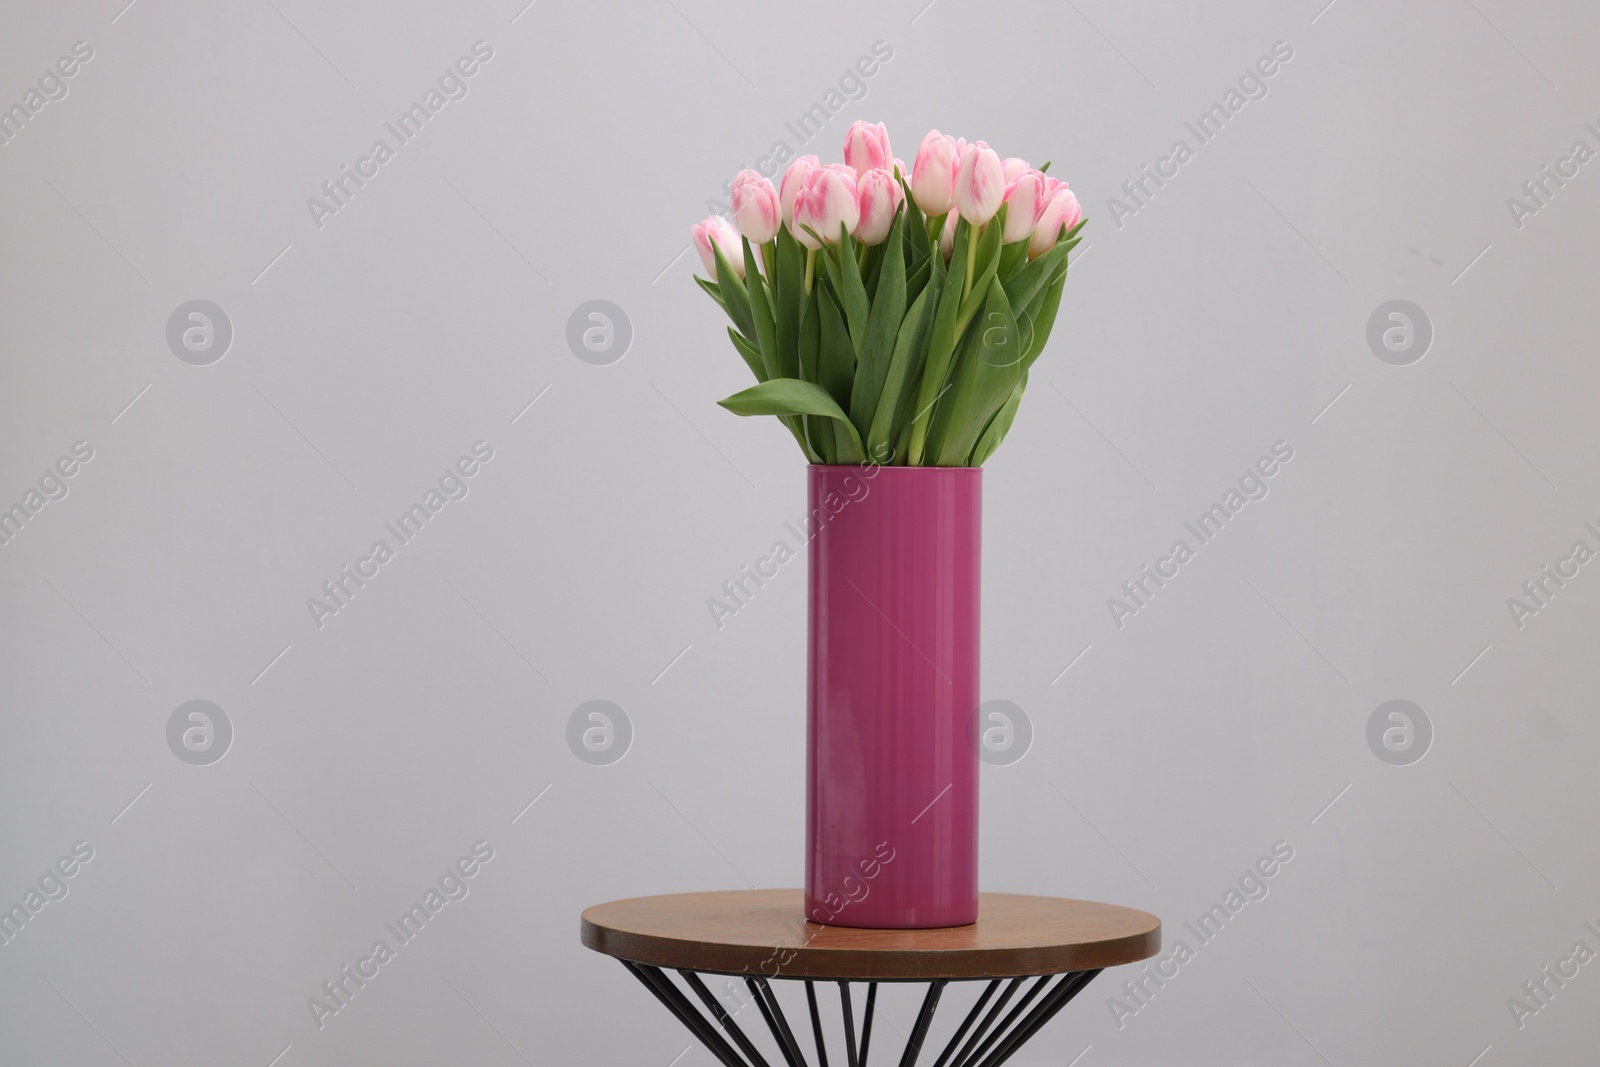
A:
(370, 352)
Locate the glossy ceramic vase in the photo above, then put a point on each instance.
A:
(892, 760)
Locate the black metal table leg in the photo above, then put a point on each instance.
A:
(924, 1019)
(847, 1009)
(866, 1025)
(679, 1005)
(816, 1025)
(987, 1036)
(1064, 991)
(982, 1027)
(772, 1011)
(1011, 1016)
(966, 1024)
(721, 1015)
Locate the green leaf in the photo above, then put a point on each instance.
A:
(817, 432)
(909, 346)
(1023, 286)
(761, 312)
(789, 300)
(752, 358)
(878, 342)
(851, 292)
(807, 337)
(767, 347)
(998, 426)
(902, 446)
(914, 240)
(766, 331)
(914, 230)
(1030, 279)
(1013, 256)
(941, 346)
(1044, 319)
(797, 426)
(989, 367)
(872, 269)
(751, 354)
(934, 230)
(917, 280)
(736, 301)
(836, 357)
(712, 290)
(988, 263)
(791, 396)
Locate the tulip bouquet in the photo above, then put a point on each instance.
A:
(892, 317)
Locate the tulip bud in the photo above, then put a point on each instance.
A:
(1025, 202)
(1063, 210)
(1014, 168)
(933, 173)
(866, 147)
(947, 236)
(979, 184)
(716, 229)
(827, 202)
(793, 179)
(755, 207)
(880, 197)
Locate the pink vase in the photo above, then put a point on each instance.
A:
(891, 755)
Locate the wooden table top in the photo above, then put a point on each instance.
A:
(765, 932)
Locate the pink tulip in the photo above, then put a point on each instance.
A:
(827, 202)
(716, 229)
(755, 206)
(866, 147)
(933, 173)
(1014, 168)
(793, 179)
(947, 236)
(1062, 210)
(980, 184)
(1025, 201)
(880, 197)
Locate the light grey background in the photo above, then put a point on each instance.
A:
(370, 353)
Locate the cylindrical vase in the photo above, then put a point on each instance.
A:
(892, 760)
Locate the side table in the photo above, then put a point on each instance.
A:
(1053, 946)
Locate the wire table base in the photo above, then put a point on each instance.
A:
(983, 1039)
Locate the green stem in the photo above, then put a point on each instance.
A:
(972, 260)
(936, 231)
(769, 262)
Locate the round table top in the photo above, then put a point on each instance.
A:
(765, 932)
